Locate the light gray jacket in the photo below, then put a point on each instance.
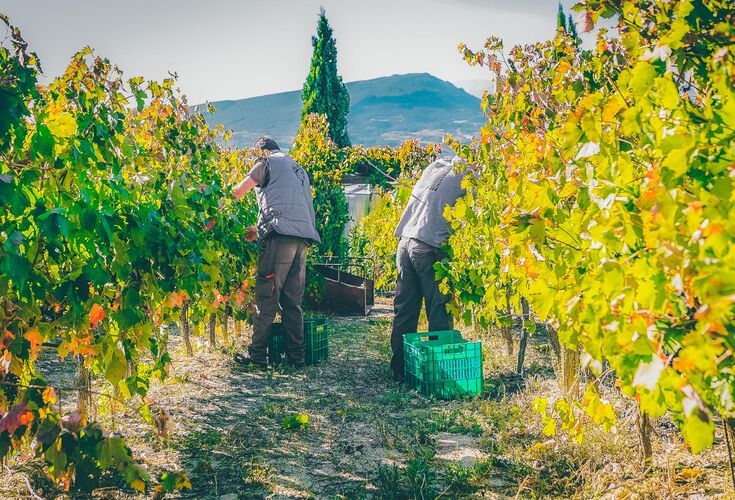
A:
(439, 186)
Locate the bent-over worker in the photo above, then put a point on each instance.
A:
(286, 227)
(422, 230)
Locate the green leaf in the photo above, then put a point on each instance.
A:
(173, 481)
(642, 77)
(298, 421)
(698, 434)
(113, 452)
(42, 142)
(116, 366)
(678, 161)
(140, 99)
(17, 268)
(56, 459)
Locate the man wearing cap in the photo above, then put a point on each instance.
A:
(286, 227)
(422, 230)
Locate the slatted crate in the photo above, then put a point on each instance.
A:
(443, 364)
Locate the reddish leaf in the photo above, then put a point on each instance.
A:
(5, 361)
(585, 21)
(7, 338)
(18, 416)
(72, 422)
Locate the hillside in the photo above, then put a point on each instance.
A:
(384, 110)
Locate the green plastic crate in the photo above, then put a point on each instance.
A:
(443, 364)
(316, 341)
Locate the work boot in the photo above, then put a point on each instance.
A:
(247, 362)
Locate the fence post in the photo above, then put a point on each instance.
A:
(84, 385)
(226, 323)
(729, 424)
(570, 364)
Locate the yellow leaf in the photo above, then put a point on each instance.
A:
(613, 106)
(538, 448)
(687, 475)
(549, 426)
(49, 395)
(63, 349)
(61, 125)
(183, 482)
(138, 485)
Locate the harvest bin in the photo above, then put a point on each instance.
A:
(316, 341)
(442, 364)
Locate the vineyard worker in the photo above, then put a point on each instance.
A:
(286, 227)
(422, 230)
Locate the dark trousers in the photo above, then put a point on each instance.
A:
(416, 281)
(280, 281)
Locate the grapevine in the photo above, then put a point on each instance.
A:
(114, 217)
(605, 199)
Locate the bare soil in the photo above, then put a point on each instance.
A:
(367, 437)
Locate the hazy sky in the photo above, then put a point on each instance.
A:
(229, 49)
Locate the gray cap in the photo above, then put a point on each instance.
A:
(266, 142)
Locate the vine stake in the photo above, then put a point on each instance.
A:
(185, 329)
(525, 316)
(212, 330)
(729, 424)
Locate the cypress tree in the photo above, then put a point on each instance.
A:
(573, 30)
(324, 92)
(561, 19)
(566, 24)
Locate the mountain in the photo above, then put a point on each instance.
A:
(383, 111)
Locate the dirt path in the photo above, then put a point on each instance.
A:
(229, 432)
(367, 436)
(343, 429)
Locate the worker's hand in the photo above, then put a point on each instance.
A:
(251, 233)
(236, 193)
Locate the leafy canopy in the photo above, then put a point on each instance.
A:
(606, 199)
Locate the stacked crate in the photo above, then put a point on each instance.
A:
(316, 341)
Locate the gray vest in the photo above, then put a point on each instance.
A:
(286, 205)
(423, 218)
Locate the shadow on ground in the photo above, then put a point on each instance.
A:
(234, 440)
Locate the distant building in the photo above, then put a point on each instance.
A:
(360, 199)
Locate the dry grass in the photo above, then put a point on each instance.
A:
(368, 437)
(605, 464)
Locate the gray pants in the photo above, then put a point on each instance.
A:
(280, 279)
(416, 281)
